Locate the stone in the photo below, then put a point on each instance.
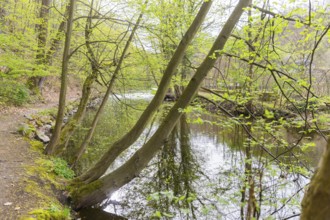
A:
(28, 117)
(45, 119)
(47, 129)
(40, 135)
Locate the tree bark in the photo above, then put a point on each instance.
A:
(316, 202)
(42, 29)
(97, 191)
(90, 133)
(69, 127)
(128, 139)
(50, 149)
(55, 42)
(37, 81)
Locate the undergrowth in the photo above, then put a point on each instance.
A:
(14, 93)
(47, 176)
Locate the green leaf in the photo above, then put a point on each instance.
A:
(157, 214)
(268, 114)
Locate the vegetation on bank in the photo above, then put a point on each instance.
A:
(14, 93)
(263, 63)
(47, 178)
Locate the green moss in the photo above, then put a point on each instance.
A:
(54, 212)
(44, 193)
(37, 145)
(47, 174)
(49, 112)
(34, 188)
(79, 191)
(26, 130)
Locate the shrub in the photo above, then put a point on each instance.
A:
(61, 168)
(15, 93)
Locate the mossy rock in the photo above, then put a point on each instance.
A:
(27, 130)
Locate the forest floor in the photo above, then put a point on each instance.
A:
(16, 155)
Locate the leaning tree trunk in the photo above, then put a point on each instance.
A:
(316, 202)
(50, 149)
(128, 139)
(90, 133)
(97, 191)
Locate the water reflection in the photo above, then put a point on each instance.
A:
(214, 171)
(176, 172)
(215, 177)
(98, 214)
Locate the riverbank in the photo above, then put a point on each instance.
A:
(28, 184)
(20, 184)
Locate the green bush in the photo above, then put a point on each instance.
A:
(15, 93)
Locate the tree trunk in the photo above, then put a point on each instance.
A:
(37, 81)
(50, 149)
(128, 139)
(90, 133)
(316, 202)
(69, 128)
(55, 42)
(97, 191)
(42, 29)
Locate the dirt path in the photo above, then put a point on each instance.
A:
(14, 156)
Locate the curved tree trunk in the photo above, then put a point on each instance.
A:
(316, 202)
(50, 149)
(128, 139)
(97, 191)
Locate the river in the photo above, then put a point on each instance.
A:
(208, 168)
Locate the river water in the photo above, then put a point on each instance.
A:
(208, 168)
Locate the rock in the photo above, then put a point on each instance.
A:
(8, 204)
(40, 135)
(45, 119)
(65, 119)
(4, 69)
(47, 129)
(28, 117)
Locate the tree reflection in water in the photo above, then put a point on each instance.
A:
(208, 171)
